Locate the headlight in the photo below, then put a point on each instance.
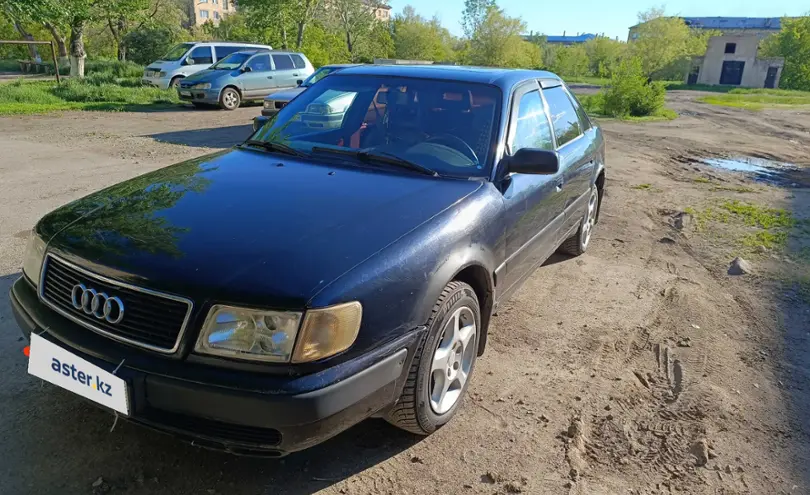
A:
(163, 73)
(202, 86)
(268, 104)
(270, 336)
(34, 255)
(328, 331)
(251, 334)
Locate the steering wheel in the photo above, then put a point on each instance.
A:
(457, 144)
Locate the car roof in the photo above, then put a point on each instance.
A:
(338, 66)
(226, 43)
(504, 78)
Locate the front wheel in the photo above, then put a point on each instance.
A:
(229, 99)
(578, 243)
(443, 364)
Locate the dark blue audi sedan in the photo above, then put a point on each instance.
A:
(344, 262)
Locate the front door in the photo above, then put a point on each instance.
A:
(259, 79)
(732, 73)
(534, 203)
(200, 58)
(770, 79)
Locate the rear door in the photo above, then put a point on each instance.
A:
(533, 203)
(286, 75)
(222, 51)
(575, 144)
(257, 82)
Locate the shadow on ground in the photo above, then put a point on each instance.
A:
(55, 442)
(214, 137)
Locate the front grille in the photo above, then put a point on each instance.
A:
(152, 320)
(216, 430)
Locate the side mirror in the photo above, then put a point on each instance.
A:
(300, 82)
(534, 161)
(189, 61)
(247, 68)
(258, 122)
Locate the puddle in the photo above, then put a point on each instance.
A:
(762, 170)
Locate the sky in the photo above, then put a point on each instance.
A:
(601, 16)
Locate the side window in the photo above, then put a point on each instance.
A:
(564, 117)
(260, 63)
(584, 121)
(283, 62)
(225, 50)
(298, 61)
(201, 55)
(531, 126)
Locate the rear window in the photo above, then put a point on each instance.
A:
(283, 62)
(298, 61)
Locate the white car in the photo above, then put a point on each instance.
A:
(186, 59)
(328, 110)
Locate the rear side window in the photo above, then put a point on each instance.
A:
(531, 127)
(298, 61)
(283, 62)
(564, 118)
(584, 121)
(202, 55)
(225, 50)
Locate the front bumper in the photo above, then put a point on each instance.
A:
(162, 83)
(236, 411)
(209, 96)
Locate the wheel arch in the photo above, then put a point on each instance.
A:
(482, 282)
(600, 186)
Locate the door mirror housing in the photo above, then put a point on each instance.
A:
(300, 82)
(247, 69)
(258, 122)
(188, 61)
(534, 161)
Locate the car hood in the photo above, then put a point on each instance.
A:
(285, 95)
(246, 226)
(208, 75)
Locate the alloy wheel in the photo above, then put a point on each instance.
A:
(452, 360)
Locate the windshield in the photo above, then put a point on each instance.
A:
(232, 61)
(446, 126)
(177, 52)
(317, 76)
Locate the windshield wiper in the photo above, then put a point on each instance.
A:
(379, 156)
(277, 147)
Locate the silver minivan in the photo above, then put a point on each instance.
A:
(188, 58)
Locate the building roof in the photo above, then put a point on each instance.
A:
(582, 38)
(504, 78)
(774, 23)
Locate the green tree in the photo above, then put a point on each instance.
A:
(417, 38)
(604, 55)
(665, 45)
(571, 61)
(497, 42)
(355, 20)
(475, 11)
(792, 43)
(284, 16)
(325, 46)
(629, 92)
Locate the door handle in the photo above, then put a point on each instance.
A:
(296, 75)
(269, 77)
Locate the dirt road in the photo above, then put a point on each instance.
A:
(641, 367)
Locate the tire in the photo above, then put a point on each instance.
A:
(419, 409)
(229, 99)
(578, 243)
(174, 82)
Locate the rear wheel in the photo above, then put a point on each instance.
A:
(443, 364)
(229, 99)
(578, 243)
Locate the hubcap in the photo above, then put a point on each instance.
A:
(452, 360)
(590, 218)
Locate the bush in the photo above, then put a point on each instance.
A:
(147, 44)
(631, 93)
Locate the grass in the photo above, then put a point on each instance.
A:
(702, 180)
(758, 98)
(761, 216)
(101, 91)
(765, 226)
(765, 238)
(9, 66)
(642, 187)
(738, 189)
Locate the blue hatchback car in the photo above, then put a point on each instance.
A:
(265, 298)
(243, 76)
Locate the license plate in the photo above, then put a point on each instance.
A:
(64, 369)
(185, 93)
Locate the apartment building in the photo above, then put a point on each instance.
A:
(202, 11)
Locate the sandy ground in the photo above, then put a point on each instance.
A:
(641, 367)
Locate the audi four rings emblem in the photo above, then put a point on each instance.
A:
(97, 304)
